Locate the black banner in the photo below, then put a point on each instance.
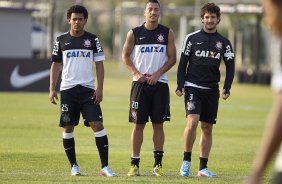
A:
(24, 75)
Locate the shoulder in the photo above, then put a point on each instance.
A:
(63, 36)
(90, 35)
(193, 35)
(223, 38)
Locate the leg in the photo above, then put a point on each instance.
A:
(102, 144)
(137, 139)
(101, 140)
(205, 148)
(136, 142)
(206, 139)
(158, 136)
(189, 139)
(158, 140)
(190, 132)
(69, 145)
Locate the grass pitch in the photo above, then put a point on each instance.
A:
(31, 148)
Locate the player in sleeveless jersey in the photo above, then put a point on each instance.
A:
(197, 79)
(149, 52)
(76, 51)
(272, 138)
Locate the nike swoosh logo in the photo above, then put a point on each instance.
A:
(199, 43)
(19, 81)
(142, 38)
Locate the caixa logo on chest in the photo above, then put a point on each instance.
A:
(149, 49)
(207, 54)
(83, 54)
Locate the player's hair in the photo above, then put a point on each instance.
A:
(153, 1)
(77, 9)
(210, 8)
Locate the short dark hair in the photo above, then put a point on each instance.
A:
(77, 9)
(153, 1)
(210, 8)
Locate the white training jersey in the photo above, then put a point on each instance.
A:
(149, 53)
(77, 55)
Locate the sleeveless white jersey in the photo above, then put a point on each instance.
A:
(77, 55)
(149, 53)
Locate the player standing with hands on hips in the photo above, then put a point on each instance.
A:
(76, 51)
(197, 79)
(149, 52)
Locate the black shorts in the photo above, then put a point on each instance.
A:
(149, 101)
(78, 100)
(203, 102)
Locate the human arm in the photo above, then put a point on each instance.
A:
(171, 53)
(54, 74)
(271, 141)
(182, 66)
(126, 52)
(98, 95)
(228, 58)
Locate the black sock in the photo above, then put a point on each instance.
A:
(158, 155)
(187, 156)
(203, 163)
(135, 161)
(69, 146)
(103, 148)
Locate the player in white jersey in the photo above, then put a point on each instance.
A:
(76, 51)
(149, 52)
(273, 134)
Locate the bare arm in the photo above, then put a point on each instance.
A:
(171, 53)
(126, 52)
(54, 74)
(270, 143)
(98, 95)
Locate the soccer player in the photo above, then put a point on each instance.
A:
(149, 52)
(197, 79)
(272, 138)
(76, 51)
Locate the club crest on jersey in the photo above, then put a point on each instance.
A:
(218, 45)
(87, 43)
(161, 38)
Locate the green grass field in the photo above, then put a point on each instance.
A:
(31, 149)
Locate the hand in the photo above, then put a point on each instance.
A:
(179, 93)
(225, 95)
(153, 79)
(53, 97)
(140, 77)
(98, 96)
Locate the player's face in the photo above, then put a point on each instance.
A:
(210, 21)
(152, 12)
(77, 22)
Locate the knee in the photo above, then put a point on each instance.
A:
(192, 123)
(96, 126)
(139, 127)
(207, 129)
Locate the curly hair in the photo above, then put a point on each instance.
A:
(77, 9)
(210, 8)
